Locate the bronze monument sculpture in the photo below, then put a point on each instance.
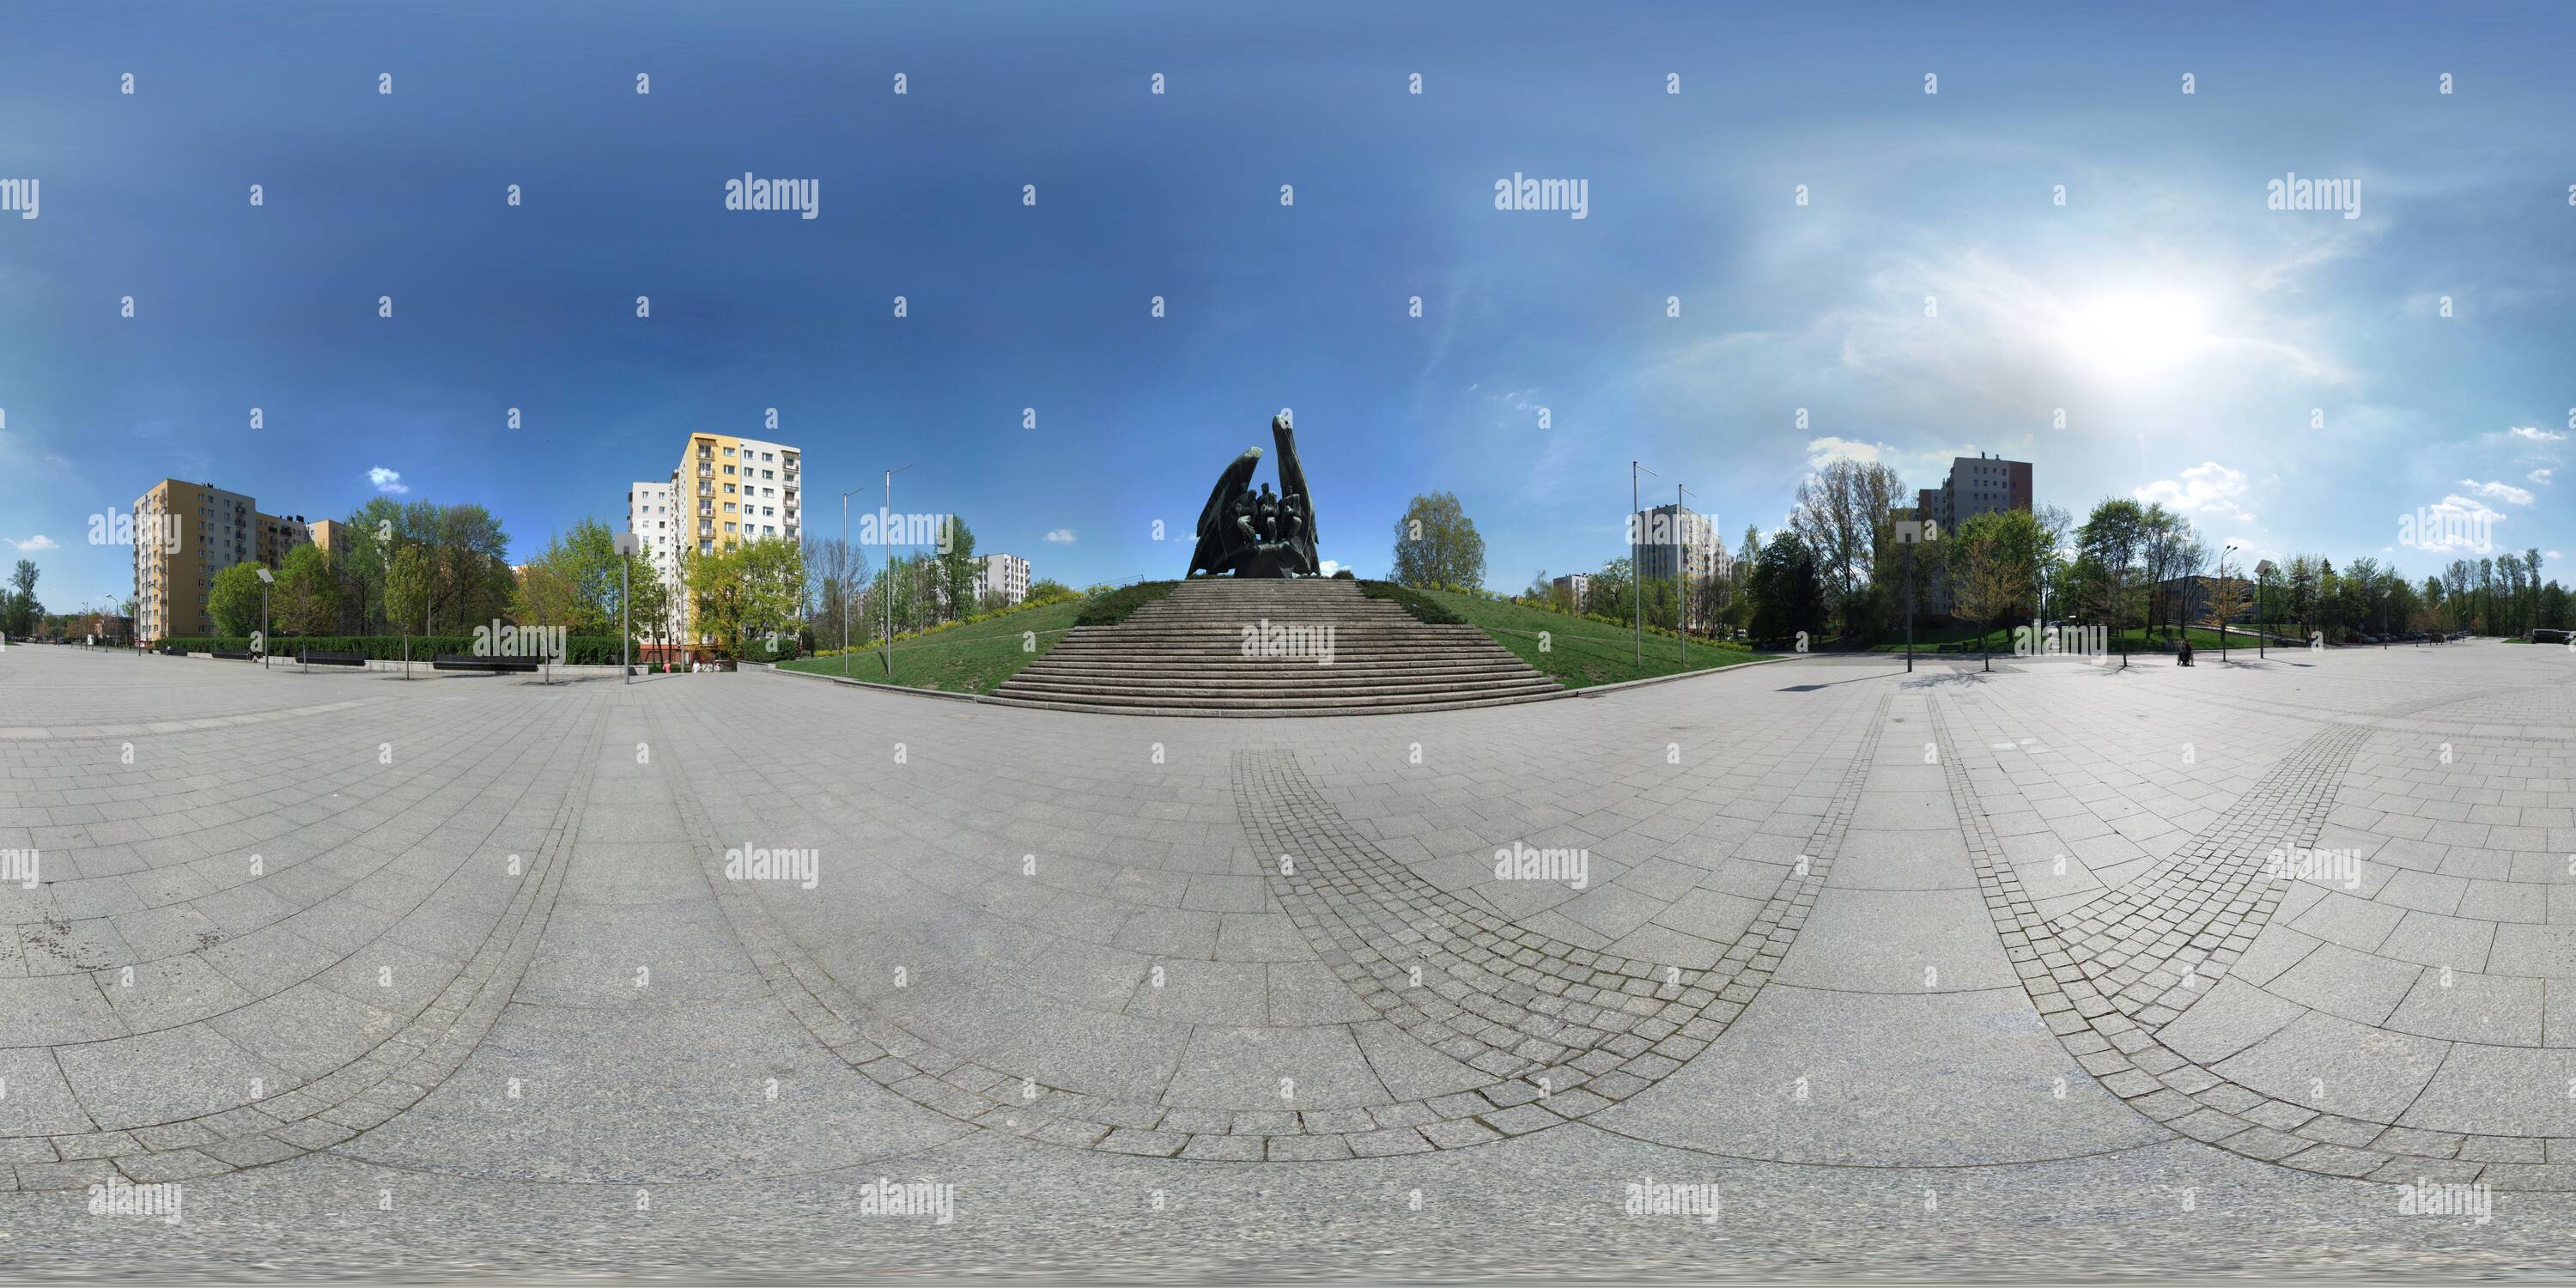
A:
(1259, 534)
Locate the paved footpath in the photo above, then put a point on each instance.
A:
(2052, 970)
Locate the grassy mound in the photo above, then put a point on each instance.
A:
(1577, 652)
(1425, 609)
(972, 658)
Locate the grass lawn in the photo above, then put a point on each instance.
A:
(1583, 653)
(967, 659)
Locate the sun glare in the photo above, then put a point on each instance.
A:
(2130, 336)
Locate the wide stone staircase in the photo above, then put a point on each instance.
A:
(1185, 655)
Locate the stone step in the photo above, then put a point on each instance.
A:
(1260, 712)
(1151, 704)
(1320, 687)
(1183, 655)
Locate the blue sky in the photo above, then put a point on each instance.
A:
(2190, 335)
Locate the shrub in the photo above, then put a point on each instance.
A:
(579, 650)
(1110, 607)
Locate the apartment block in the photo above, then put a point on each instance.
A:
(331, 536)
(185, 533)
(1572, 589)
(1669, 540)
(726, 491)
(1003, 573)
(1979, 484)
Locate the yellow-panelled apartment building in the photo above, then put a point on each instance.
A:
(185, 533)
(726, 490)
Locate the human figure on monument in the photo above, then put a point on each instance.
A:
(1247, 516)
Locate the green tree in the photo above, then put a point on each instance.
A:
(1843, 516)
(751, 590)
(306, 598)
(406, 590)
(1994, 563)
(2108, 576)
(19, 608)
(1787, 589)
(233, 600)
(1437, 547)
(954, 570)
(1610, 592)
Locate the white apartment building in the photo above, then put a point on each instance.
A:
(657, 528)
(1007, 574)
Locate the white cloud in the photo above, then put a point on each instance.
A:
(2540, 475)
(2206, 488)
(2536, 434)
(1332, 566)
(1822, 450)
(1918, 469)
(37, 542)
(2505, 492)
(2554, 555)
(1061, 536)
(387, 481)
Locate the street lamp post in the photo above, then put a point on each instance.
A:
(625, 593)
(845, 580)
(1635, 544)
(2225, 598)
(265, 577)
(885, 655)
(1681, 579)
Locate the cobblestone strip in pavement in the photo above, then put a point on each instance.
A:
(1685, 1016)
(2120, 1048)
(2159, 943)
(360, 1095)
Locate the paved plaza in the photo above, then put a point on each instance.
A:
(2055, 970)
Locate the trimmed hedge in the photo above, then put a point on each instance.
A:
(1110, 607)
(579, 650)
(1425, 609)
